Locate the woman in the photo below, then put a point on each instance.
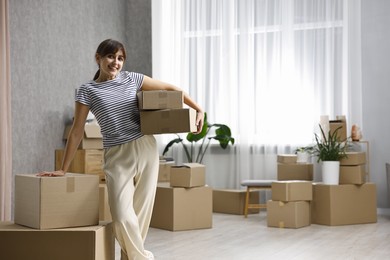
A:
(130, 158)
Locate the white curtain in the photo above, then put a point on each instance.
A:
(5, 116)
(267, 68)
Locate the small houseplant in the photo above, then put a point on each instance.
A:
(329, 151)
(222, 135)
(303, 153)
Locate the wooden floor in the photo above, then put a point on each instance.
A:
(234, 237)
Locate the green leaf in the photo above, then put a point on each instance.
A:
(172, 142)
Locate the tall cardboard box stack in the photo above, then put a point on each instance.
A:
(88, 159)
(289, 169)
(185, 203)
(89, 155)
(290, 204)
(162, 112)
(351, 202)
(56, 218)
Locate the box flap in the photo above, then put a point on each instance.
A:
(92, 131)
(189, 165)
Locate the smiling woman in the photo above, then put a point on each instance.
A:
(130, 158)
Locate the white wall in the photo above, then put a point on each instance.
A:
(376, 90)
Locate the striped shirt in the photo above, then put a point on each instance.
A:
(115, 106)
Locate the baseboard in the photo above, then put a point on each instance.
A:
(383, 211)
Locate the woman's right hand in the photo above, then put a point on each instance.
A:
(51, 174)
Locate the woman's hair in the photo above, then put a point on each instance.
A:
(107, 47)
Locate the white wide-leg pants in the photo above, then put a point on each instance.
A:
(131, 175)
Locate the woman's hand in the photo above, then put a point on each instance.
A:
(51, 174)
(199, 121)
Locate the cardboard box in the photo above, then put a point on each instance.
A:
(352, 174)
(188, 175)
(354, 158)
(104, 206)
(298, 171)
(84, 161)
(345, 204)
(160, 99)
(231, 201)
(83, 243)
(292, 191)
(56, 202)
(293, 214)
(164, 171)
(287, 158)
(92, 138)
(182, 209)
(168, 121)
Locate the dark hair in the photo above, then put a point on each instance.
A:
(107, 47)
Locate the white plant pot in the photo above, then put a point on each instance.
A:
(303, 157)
(330, 172)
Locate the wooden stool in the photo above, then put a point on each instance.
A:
(255, 185)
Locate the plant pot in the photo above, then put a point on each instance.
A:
(330, 172)
(303, 157)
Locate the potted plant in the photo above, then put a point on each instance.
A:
(222, 135)
(303, 153)
(330, 151)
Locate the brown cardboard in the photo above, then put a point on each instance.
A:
(56, 202)
(340, 121)
(182, 209)
(83, 243)
(298, 171)
(287, 158)
(92, 138)
(355, 174)
(188, 175)
(293, 214)
(345, 204)
(291, 190)
(164, 172)
(354, 158)
(84, 161)
(104, 207)
(160, 99)
(231, 201)
(168, 121)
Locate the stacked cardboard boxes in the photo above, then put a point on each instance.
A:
(290, 204)
(56, 218)
(289, 169)
(164, 171)
(185, 203)
(163, 112)
(89, 155)
(351, 202)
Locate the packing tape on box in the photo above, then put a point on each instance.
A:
(70, 184)
(281, 203)
(163, 94)
(281, 224)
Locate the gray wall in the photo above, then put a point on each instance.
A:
(376, 90)
(52, 52)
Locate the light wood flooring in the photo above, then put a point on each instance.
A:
(233, 237)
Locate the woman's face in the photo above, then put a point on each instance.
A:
(110, 65)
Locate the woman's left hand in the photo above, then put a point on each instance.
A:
(199, 121)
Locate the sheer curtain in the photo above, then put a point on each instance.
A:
(5, 116)
(267, 68)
